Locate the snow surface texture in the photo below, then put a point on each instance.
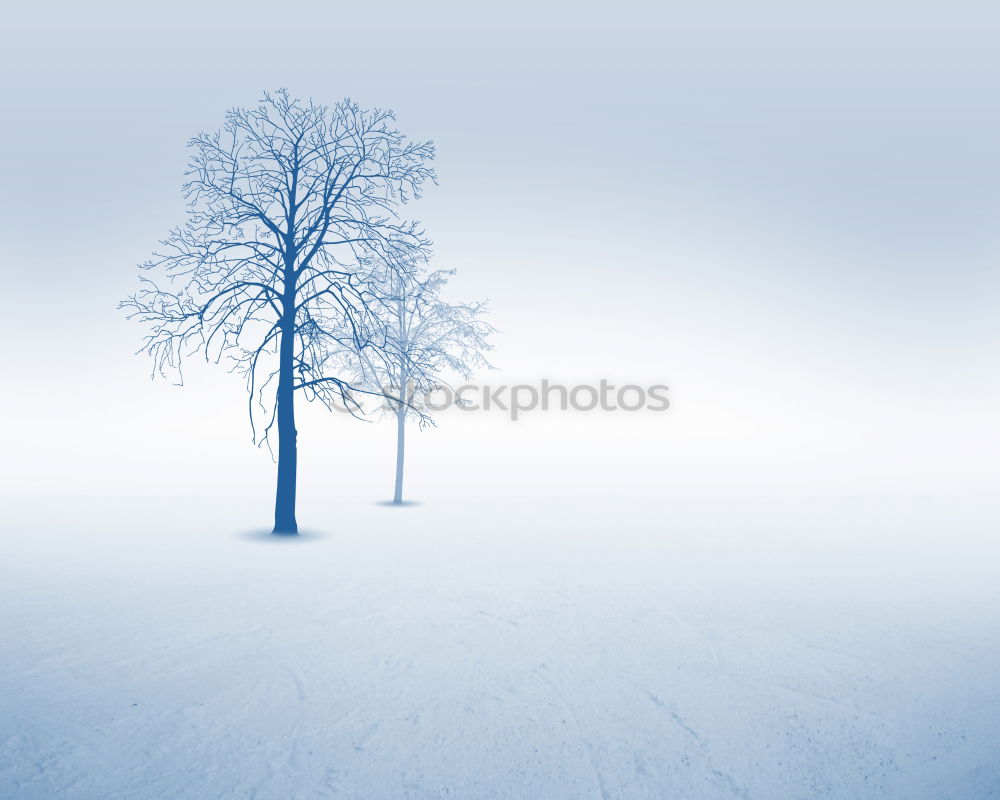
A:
(540, 649)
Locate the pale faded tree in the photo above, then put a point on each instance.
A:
(426, 341)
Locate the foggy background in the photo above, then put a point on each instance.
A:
(786, 213)
(784, 586)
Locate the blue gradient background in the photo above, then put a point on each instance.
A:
(786, 212)
(784, 587)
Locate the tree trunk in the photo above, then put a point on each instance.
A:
(284, 502)
(400, 446)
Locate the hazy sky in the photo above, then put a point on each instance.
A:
(787, 212)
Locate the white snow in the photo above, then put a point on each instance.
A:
(542, 649)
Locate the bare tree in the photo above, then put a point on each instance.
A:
(290, 205)
(424, 339)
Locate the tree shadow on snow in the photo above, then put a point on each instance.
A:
(264, 535)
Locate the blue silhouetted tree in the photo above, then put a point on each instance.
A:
(424, 341)
(290, 205)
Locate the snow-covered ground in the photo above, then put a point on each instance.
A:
(538, 649)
